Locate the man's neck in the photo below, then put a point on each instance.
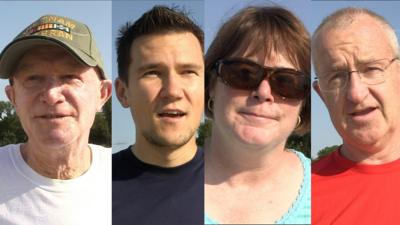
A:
(384, 152)
(164, 156)
(66, 162)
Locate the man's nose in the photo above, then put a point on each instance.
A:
(356, 89)
(172, 86)
(52, 92)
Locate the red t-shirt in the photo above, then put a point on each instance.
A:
(344, 192)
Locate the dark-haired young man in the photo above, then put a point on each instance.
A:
(160, 179)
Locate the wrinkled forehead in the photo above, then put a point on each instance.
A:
(357, 42)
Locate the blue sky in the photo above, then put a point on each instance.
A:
(105, 23)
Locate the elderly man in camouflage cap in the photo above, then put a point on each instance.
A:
(57, 84)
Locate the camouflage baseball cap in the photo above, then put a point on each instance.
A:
(70, 34)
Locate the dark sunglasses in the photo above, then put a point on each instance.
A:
(245, 74)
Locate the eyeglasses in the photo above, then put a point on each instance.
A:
(370, 73)
(247, 75)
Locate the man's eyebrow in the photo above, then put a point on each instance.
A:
(368, 60)
(338, 66)
(149, 66)
(193, 66)
(23, 66)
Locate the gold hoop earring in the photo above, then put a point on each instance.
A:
(298, 122)
(210, 104)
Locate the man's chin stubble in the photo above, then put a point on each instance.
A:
(161, 142)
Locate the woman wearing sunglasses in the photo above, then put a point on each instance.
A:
(257, 93)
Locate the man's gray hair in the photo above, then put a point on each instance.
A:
(344, 17)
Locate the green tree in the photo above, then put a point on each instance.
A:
(326, 151)
(107, 113)
(11, 131)
(100, 132)
(203, 132)
(300, 143)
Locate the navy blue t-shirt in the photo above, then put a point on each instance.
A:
(145, 194)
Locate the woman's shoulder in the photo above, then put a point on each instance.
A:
(208, 220)
(300, 212)
(304, 159)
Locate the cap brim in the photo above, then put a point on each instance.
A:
(16, 49)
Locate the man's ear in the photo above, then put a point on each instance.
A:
(10, 94)
(318, 90)
(105, 92)
(121, 89)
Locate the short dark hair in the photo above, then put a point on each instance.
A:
(158, 20)
(271, 29)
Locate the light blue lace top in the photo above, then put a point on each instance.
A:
(300, 211)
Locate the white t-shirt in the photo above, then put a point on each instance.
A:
(27, 197)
